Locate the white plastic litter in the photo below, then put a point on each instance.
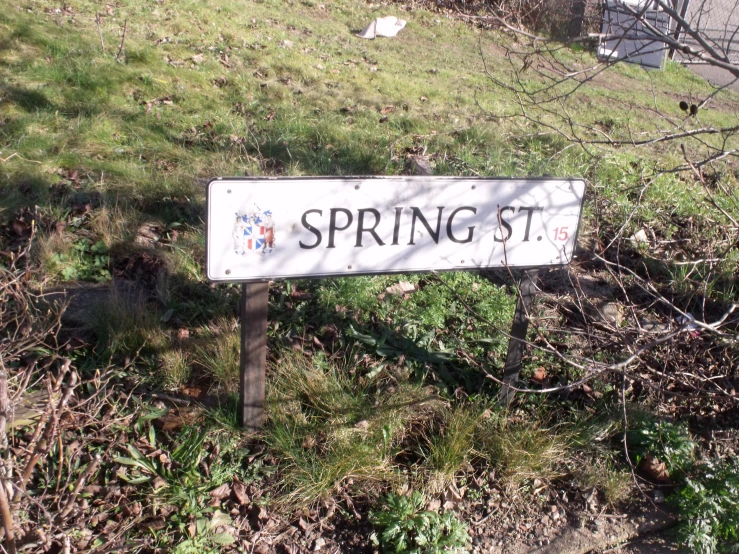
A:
(383, 27)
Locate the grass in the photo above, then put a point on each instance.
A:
(218, 353)
(614, 482)
(331, 431)
(124, 324)
(368, 392)
(449, 450)
(175, 369)
(524, 451)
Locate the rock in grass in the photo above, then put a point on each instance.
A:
(419, 165)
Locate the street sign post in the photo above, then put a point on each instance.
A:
(262, 229)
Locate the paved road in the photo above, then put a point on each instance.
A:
(714, 75)
(718, 21)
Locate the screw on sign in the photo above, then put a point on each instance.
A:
(266, 229)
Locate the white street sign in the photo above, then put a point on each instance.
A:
(275, 228)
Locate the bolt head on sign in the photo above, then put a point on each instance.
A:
(276, 228)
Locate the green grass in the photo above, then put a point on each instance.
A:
(524, 451)
(450, 450)
(331, 431)
(367, 391)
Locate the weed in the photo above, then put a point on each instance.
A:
(84, 261)
(669, 442)
(406, 528)
(602, 473)
(708, 505)
(203, 536)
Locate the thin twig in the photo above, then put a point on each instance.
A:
(123, 39)
(89, 471)
(100, 32)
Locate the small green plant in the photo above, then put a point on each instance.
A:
(86, 261)
(709, 508)
(669, 442)
(406, 528)
(186, 457)
(204, 538)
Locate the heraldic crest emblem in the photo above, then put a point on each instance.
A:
(254, 232)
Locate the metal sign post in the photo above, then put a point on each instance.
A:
(262, 229)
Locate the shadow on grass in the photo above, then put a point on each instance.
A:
(28, 100)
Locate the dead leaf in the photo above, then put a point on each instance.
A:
(153, 524)
(198, 58)
(401, 288)
(419, 165)
(387, 110)
(257, 515)
(654, 470)
(167, 510)
(239, 491)
(224, 491)
(21, 228)
(434, 505)
(300, 295)
(158, 483)
(539, 374)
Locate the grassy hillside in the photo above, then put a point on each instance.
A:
(112, 119)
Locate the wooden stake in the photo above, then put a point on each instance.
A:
(6, 516)
(254, 299)
(517, 344)
(123, 39)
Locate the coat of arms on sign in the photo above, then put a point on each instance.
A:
(254, 232)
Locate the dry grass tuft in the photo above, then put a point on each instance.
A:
(615, 484)
(449, 451)
(333, 432)
(523, 451)
(218, 353)
(175, 368)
